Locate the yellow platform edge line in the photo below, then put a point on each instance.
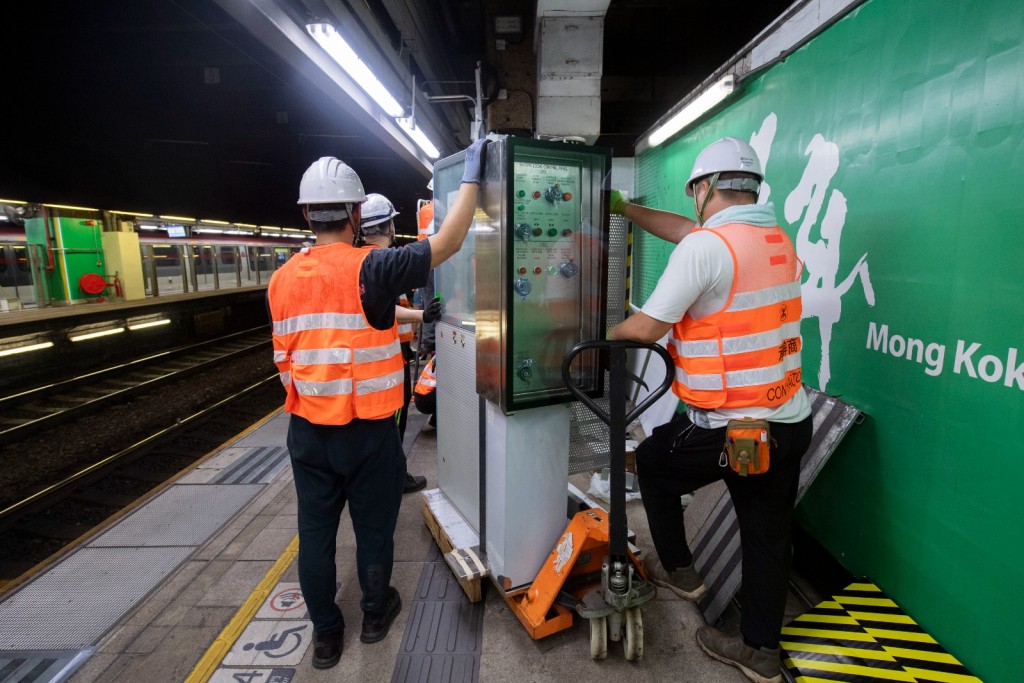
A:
(214, 655)
(814, 679)
(866, 672)
(838, 650)
(863, 587)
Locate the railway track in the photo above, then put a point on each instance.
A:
(74, 471)
(44, 407)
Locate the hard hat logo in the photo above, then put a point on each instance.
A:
(330, 181)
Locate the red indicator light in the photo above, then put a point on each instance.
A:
(566, 232)
(88, 222)
(537, 270)
(567, 196)
(522, 270)
(536, 194)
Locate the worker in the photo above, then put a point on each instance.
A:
(377, 226)
(426, 391)
(730, 296)
(336, 347)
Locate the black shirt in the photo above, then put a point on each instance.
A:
(386, 274)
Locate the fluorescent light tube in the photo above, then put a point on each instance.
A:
(420, 138)
(151, 323)
(93, 335)
(688, 114)
(332, 43)
(26, 349)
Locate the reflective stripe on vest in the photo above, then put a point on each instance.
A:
(334, 365)
(748, 353)
(427, 381)
(405, 333)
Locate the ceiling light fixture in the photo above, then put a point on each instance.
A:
(332, 43)
(688, 114)
(419, 137)
(25, 349)
(148, 323)
(93, 335)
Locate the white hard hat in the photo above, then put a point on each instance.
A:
(330, 181)
(721, 156)
(376, 210)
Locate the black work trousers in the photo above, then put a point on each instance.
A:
(361, 464)
(680, 457)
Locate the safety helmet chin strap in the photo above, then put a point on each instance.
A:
(699, 208)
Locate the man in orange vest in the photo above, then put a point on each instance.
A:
(336, 347)
(426, 391)
(730, 296)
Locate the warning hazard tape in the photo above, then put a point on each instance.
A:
(862, 635)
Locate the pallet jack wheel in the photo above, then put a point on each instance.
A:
(599, 637)
(634, 645)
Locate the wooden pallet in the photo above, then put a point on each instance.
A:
(458, 542)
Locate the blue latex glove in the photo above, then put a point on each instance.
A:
(474, 161)
(432, 311)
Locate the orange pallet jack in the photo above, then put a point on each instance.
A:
(591, 567)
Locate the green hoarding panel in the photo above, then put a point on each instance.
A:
(893, 145)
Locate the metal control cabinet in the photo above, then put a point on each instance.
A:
(531, 278)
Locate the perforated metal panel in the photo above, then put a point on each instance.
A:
(183, 515)
(588, 436)
(257, 467)
(75, 603)
(37, 666)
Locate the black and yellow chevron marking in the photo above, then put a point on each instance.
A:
(862, 635)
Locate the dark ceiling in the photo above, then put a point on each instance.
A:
(172, 107)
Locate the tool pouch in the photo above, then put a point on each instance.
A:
(747, 443)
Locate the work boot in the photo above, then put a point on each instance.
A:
(683, 581)
(375, 626)
(761, 665)
(327, 649)
(414, 483)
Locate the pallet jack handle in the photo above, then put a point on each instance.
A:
(617, 421)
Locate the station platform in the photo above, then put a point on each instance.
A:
(200, 583)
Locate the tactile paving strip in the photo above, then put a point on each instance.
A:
(444, 633)
(257, 467)
(37, 666)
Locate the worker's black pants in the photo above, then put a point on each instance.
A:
(680, 457)
(361, 464)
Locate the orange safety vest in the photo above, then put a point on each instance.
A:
(428, 380)
(404, 329)
(334, 365)
(425, 219)
(748, 353)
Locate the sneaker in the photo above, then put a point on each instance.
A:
(375, 626)
(761, 665)
(684, 581)
(412, 483)
(327, 649)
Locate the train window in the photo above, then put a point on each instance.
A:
(21, 259)
(3, 260)
(165, 254)
(227, 256)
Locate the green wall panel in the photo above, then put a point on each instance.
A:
(894, 150)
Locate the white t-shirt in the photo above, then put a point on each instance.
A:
(698, 279)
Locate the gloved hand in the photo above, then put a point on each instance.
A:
(617, 203)
(474, 161)
(432, 311)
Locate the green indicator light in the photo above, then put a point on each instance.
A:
(552, 270)
(522, 207)
(552, 232)
(521, 193)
